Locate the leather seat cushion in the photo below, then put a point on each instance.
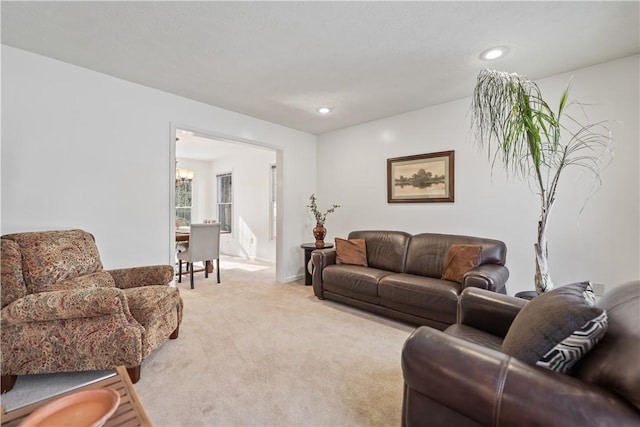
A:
(353, 280)
(422, 296)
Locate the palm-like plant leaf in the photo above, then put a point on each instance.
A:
(518, 127)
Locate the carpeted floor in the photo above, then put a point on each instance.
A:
(254, 352)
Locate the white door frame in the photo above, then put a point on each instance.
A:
(280, 270)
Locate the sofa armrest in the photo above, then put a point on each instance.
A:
(65, 305)
(493, 388)
(142, 276)
(487, 276)
(320, 258)
(488, 311)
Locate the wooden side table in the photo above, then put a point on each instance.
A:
(130, 413)
(308, 248)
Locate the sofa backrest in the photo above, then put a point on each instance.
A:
(614, 363)
(52, 256)
(12, 282)
(386, 250)
(428, 252)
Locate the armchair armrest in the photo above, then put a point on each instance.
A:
(488, 311)
(487, 276)
(450, 374)
(142, 276)
(320, 258)
(67, 304)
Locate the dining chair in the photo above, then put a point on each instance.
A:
(204, 245)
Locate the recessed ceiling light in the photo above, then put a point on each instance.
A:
(494, 53)
(324, 110)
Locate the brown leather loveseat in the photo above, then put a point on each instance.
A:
(463, 377)
(403, 276)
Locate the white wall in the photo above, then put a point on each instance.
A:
(82, 149)
(85, 150)
(250, 236)
(601, 244)
(251, 204)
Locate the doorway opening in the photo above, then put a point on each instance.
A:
(232, 181)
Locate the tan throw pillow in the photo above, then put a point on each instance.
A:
(353, 251)
(460, 259)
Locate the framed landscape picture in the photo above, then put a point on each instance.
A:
(423, 178)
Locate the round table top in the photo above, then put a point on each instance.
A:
(313, 246)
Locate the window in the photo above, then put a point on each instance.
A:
(225, 191)
(183, 202)
(272, 204)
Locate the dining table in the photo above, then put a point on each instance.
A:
(182, 236)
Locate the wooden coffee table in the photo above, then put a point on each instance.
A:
(130, 413)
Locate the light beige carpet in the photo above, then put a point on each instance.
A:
(254, 352)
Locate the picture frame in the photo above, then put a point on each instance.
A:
(421, 178)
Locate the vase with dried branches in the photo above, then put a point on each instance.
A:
(519, 129)
(319, 231)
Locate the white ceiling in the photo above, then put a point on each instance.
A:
(191, 145)
(279, 61)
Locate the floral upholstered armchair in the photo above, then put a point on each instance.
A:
(62, 312)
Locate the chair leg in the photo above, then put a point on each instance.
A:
(218, 268)
(134, 374)
(8, 381)
(191, 274)
(206, 269)
(180, 271)
(174, 334)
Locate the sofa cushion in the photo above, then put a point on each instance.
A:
(353, 281)
(427, 252)
(13, 286)
(613, 363)
(460, 259)
(352, 251)
(557, 328)
(52, 256)
(421, 296)
(386, 250)
(99, 279)
(155, 307)
(145, 302)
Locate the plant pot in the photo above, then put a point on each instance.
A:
(529, 295)
(319, 232)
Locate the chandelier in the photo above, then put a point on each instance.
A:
(183, 175)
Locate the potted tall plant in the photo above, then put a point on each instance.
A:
(519, 128)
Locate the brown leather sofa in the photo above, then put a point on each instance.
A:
(403, 276)
(460, 377)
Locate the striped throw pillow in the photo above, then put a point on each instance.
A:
(556, 329)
